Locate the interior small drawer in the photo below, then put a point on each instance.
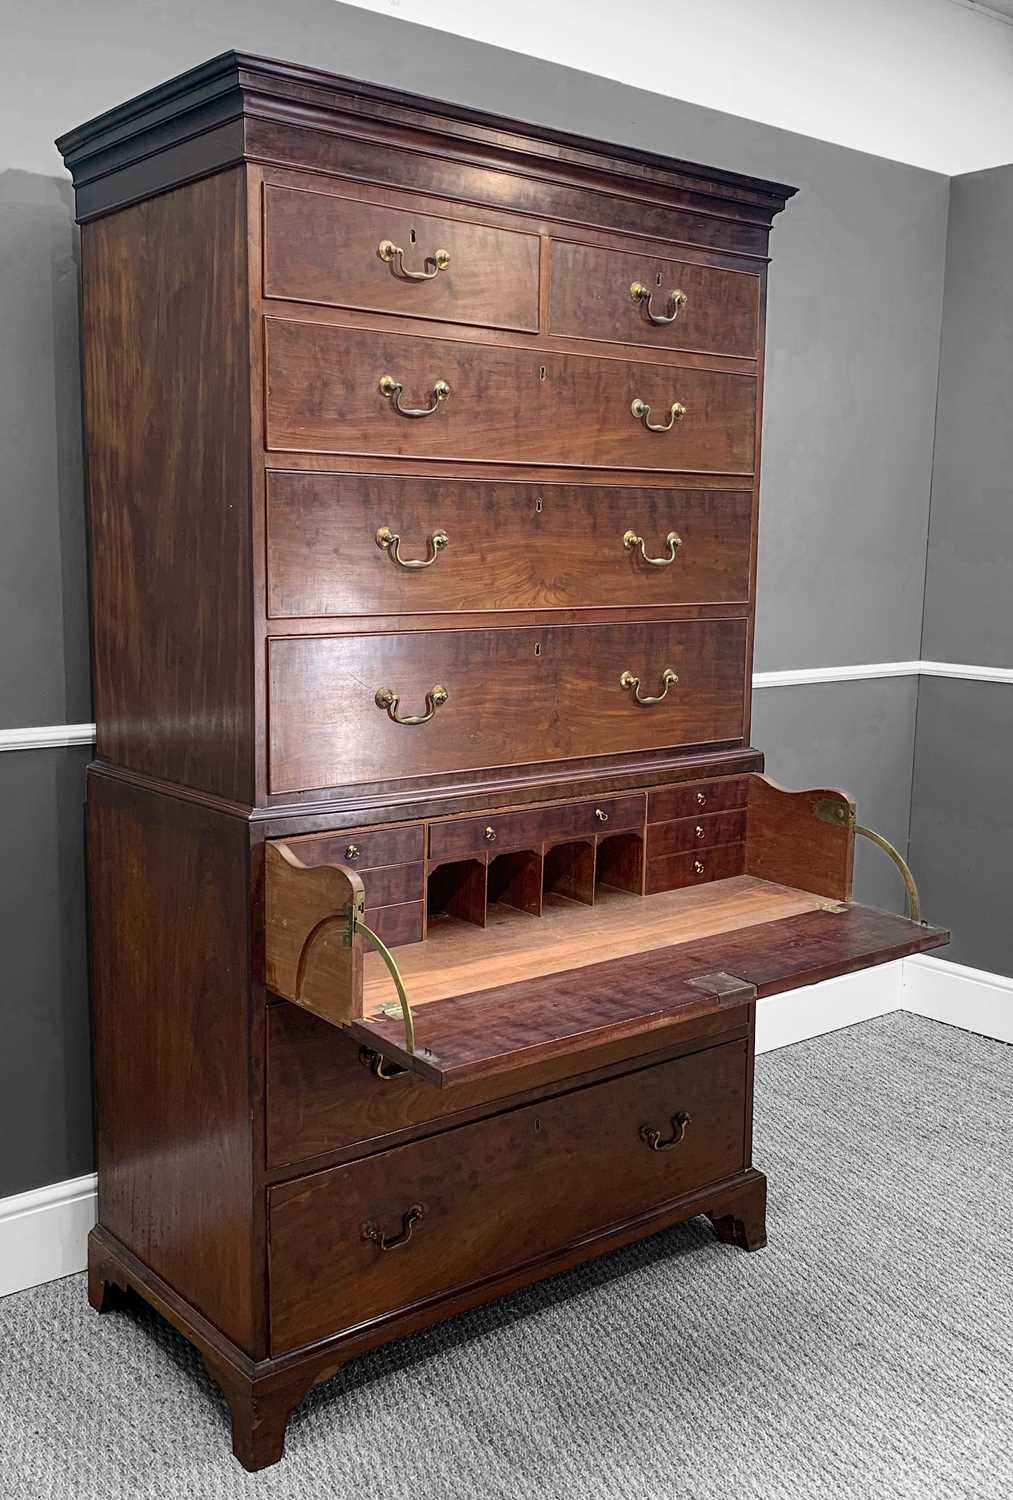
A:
(395, 925)
(359, 708)
(461, 837)
(672, 871)
(361, 391)
(704, 832)
(689, 799)
(384, 257)
(633, 298)
(364, 1239)
(366, 849)
(352, 544)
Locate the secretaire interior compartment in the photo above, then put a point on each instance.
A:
(556, 945)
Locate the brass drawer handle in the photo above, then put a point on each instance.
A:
(701, 799)
(698, 867)
(374, 1061)
(393, 256)
(601, 815)
(673, 542)
(642, 295)
(700, 831)
(653, 1137)
(352, 852)
(490, 835)
(386, 698)
(409, 1219)
(392, 389)
(642, 412)
(668, 678)
(385, 538)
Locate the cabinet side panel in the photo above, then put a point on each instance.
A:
(168, 883)
(166, 373)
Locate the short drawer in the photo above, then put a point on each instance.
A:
(395, 925)
(673, 871)
(338, 704)
(526, 830)
(692, 798)
(477, 1200)
(363, 850)
(337, 390)
(386, 258)
(626, 297)
(345, 544)
(704, 832)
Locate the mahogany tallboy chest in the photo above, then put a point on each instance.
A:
(433, 882)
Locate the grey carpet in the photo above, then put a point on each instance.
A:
(868, 1352)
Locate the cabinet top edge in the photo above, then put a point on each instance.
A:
(240, 85)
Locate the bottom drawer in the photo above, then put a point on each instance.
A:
(672, 871)
(483, 1198)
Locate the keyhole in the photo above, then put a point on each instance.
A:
(538, 506)
(657, 283)
(541, 373)
(411, 241)
(538, 649)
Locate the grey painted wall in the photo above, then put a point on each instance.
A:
(853, 341)
(962, 814)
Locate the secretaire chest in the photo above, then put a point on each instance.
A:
(434, 879)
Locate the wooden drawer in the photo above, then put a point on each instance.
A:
(362, 850)
(673, 871)
(513, 697)
(395, 925)
(691, 798)
(508, 546)
(526, 830)
(322, 1095)
(590, 298)
(703, 832)
(497, 1194)
(505, 405)
(320, 248)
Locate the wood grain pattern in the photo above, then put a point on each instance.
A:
(168, 906)
(590, 299)
(323, 396)
(362, 848)
(312, 954)
(166, 379)
(458, 959)
(557, 689)
(457, 837)
(320, 248)
(496, 1193)
(324, 1099)
(397, 925)
(673, 871)
(788, 842)
(693, 798)
(511, 546)
(702, 832)
(469, 1036)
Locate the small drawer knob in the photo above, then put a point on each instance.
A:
(490, 835)
(698, 867)
(700, 831)
(352, 852)
(701, 799)
(601, 815)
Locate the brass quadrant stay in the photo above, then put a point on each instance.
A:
(832, 810)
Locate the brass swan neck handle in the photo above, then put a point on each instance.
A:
(392, 389)
(642, 295)
(642, 412)
(391, 542)
(387, 699)
(629, 683)
(393, 256)
(673, 541)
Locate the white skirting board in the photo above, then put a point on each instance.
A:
(43, 1233)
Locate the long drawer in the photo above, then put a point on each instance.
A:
(352, 544)
(629, 297)
(349, 253)
(458, 838)
(335, 390)
(480, 1199)
(496, 697)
